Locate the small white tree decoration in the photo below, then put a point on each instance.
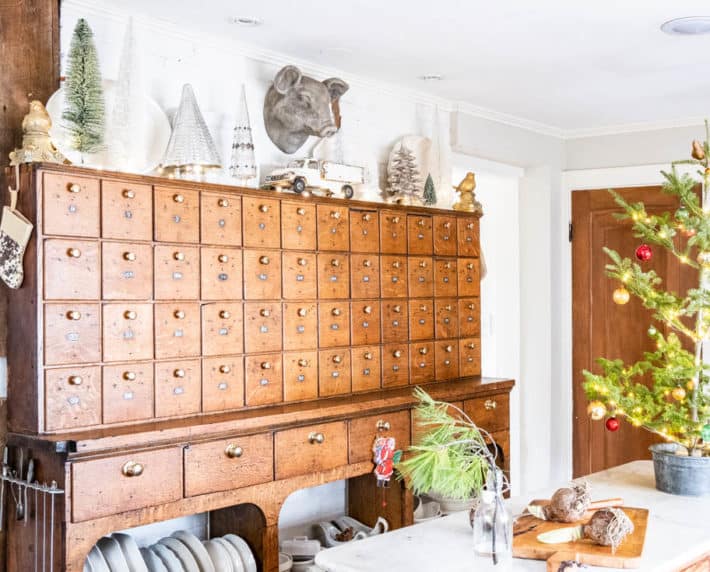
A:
(243, 162)
(403, 178)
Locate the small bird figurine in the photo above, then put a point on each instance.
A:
(467, 199)
(698, 151)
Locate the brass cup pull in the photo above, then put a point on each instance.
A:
(396, 264)
(223, 202)
(179, 314)
(302, 262)
(180, 256)
(74, 188)
(74, 315)
(223, 258)
(490, 404)
(397, 309)
(130, 256)
(73, 253)
(233, 451)
(129, 375)
(265, 365)
(423, 351)
(264, 208)
(336, 311)
(265, 312)
(130, 315)
(383, 425)
(303, 362)
(263, 260)
(224, 369)
(300, 211)
(180, 373)
(224, 314)
(129, 194)
(422, 264)
(367, 309)
(337, 359)
(75, 380)
(367, 355)
(302, 312)
(367, 217)
(132, 469)
(316, 438)
(179, 198)
(395, 219)
(335, 262)
(397, 353)
(367, 263)
(335, 215)
(449, 349)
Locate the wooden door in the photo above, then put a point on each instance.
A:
(600, 328)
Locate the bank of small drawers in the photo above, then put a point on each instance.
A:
(163, 302)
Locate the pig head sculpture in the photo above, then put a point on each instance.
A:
(297, 106)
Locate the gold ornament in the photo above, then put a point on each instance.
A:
(690, 385)
(698, 151)
(467, 198)
(36, 144)
(621, 296)
(596, 410)
(678, 393)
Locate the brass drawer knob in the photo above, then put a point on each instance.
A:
(264, 208)
(471, 306)
(224, 369)
(397, 353)
(422, 264)
(447, 265)
(179, 198)
(300, 211)
(397, 309)
(490, 404)
(129, 194)
(383, 425)
(420, 222)
(264, 260)
(367, 263)
(449, 349)
(180, 256)
(367, 309)
(130, 256)
(179, 373)
(265, 312)
(265, 365)
(469, 226)
(470, 266)
(130, 315)
(233, 451)
(223, 258)
(224, 314)
(223, 202)
(336, 311)
(302, 262)
(367, 355)
(367, 217)
(447, 224)
(73, 253)
(75, 380)
(423, 308)
(448, 307)
(423, 351)
(74, 315)
(179, 314)
(396, 264)
(337, 359)
(303, 362)
(302, 312)
(395, 219)
(471, 346)
(335, 263)
(316, 438)
(335, 215)
(129, 375)
(74, 188)
(132, 469)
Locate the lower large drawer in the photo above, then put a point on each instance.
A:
(118, 484)
(490, 413)
(310, 449)
(228, 464)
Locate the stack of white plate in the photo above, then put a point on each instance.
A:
(181, 552)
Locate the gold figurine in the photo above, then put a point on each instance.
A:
(467, 199)
(36, 144)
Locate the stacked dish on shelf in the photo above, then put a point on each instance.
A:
(181, 552)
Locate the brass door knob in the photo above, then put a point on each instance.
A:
(264, 260)
(264, 208)
(490, 404)
(302, 312)
(303, 362)
(223, 202)
(129, 375)
(179, 314)
(74, 188)
(316, 438)
(233, 451)
(265, 312)
(130, 315)
(337, 359)
(224, 314)
(73, 253)
(223, 258)
(74, 315)
(132, 469)
(179, 198)
(75, 380)
(179, 373)
(265, 365)
(383, 425)
(224, 369)
(130, 256)
(129, 193)
(180, 256)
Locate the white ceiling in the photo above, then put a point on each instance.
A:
(567, 64)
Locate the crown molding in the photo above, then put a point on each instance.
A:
(640, 127)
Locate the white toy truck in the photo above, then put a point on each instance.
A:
(316, 175)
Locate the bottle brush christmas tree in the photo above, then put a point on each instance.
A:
(83, 95)
(668, 390)
(429, 191)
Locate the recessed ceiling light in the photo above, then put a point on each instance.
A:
(431, 77)
(247, 21)
(690, 26)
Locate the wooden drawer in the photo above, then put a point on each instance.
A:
(222, 383)
(333, 275)
(127, 482)
(333, 324)
(468, 237)
(222, 328)
(71, 270)
(419, 234)
(299, 276)
(262, 327)
(366, 368)
(421, 362)
(72, 333)
(177, 272)
(262, 222)
(298, 226)
(393, 232)
(127, 331)
(127, 271)
(220, 219)
(364, 430)
(300, 326)
(365, 275)
(446, 355)
(445, 278)
(72, 398)
(177, 330)
(128, 392)
(492, 413)
(365, 322)
(470, 357)
(364, 231)
(469, 277)
(126, 211)
(395, 320)
(263, 379)
(444, 235)
(447, 321)
(228, 464)
(177, 215)
(262, 275)
(310, 449)
(221, 274)
(178, 388)
(395, 364)
(393, 271)
(300, 375)
(469, 317)
(421, 277)
(334, 372)
(333, 227)
(71, 205)
(421, 319)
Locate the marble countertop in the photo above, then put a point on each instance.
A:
(678, 532)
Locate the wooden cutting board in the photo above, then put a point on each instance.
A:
(627, 555)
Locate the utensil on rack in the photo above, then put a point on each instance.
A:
(30, 476)
(19, 500)
(53, 493)
(2, 486)
(36, 546)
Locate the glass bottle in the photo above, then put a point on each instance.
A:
(493, 532)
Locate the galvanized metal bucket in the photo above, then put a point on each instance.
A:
(680, 474)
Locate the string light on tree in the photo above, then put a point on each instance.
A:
(596, 410)
(621, 296)
(678, 394)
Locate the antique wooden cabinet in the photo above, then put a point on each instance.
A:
(180, 347)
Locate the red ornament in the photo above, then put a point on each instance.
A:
(612, 424)
(644, 253)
